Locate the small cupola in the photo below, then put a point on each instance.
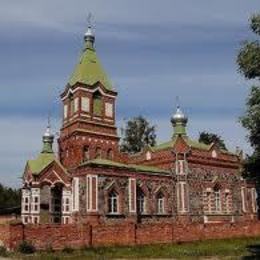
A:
(179, 122)
(89, 38)
(47, 140)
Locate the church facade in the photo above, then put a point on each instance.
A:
(91, 181)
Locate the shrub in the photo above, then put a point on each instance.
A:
(3, 251)
(26, 247)
(67, 250)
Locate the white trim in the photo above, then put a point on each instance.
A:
(75, 194)
(130, 195)
(253, 198)
(89, 191)
(70, 91)
(243, 190)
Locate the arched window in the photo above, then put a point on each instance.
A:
(160, 203)
(97, 104)
(98, 153)
(140, 201)
(113, 202)
(86, 153)
(110, 154)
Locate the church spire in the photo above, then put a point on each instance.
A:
(47, 140)
(179, 122)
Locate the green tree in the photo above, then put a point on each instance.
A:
(248, 61)
(137, 134)
(9, 197)
(209, 138)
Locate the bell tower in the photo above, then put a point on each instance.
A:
(88, 128)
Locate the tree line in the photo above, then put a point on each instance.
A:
(9, 197)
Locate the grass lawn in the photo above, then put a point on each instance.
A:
(228, 249)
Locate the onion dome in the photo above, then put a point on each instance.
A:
(89, 37)
(47, 140)
(179, 122)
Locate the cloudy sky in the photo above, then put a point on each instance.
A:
(153, 51)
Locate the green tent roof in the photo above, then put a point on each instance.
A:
(133, 167)
(89, 70)
(41, 162)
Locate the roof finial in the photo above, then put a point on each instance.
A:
(48, 128)
(177, 99)
(90, 20)
(89, 35)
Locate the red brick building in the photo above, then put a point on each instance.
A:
(91, 181)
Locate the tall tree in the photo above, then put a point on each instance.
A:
(248, 61)
(208, 138)
(137, 134)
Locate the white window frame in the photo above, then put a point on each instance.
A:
(75, 194)
(85, 104)
(65, 111)
(181, 167)
(109, 109)
(254, 198)
(243, 194)
(113, 203)
(160, 205)
(89, 192)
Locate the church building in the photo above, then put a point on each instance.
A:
(90, 181)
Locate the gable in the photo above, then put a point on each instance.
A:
(54, 174)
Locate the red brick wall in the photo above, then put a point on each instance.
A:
(78, 236)
(122, 234)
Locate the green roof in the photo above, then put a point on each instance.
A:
(89, 70)
(41, 162)
(190, 142)
(133, 167)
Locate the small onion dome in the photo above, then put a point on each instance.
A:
(179, 117)
(89, 35)
(47, 139)
(48, 132)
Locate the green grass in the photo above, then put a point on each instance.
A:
(220, 248)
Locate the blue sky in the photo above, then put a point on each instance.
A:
(152, 50)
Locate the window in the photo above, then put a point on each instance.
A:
(85, 104)
(140, 202)
(98, 153)
(65, 111)
(160, 203)
(109, 109)
(26, 220)
(72, 105)
(217, 201)
(110, 154)
(97, 104)
(180, 167)
(113, 202)
(86, 153)
(76, 104)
